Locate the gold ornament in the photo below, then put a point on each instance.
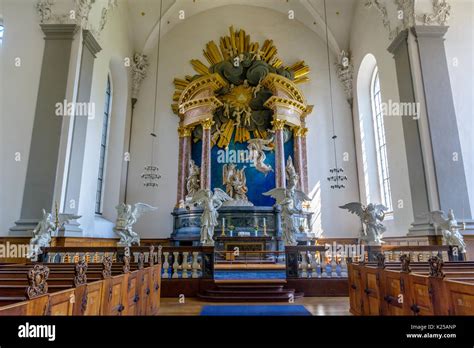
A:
(278, 124)
(207, 123)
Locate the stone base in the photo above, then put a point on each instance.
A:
(421, 228)
(24, 227)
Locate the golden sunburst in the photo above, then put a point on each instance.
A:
(236, 43)
(239, 97)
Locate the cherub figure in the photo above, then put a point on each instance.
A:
(257, 148)
(450, 229)
(370, 217)
(45, 229)
(210, 202)
(290, 199)
(126, 218)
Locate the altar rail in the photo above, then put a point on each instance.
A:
(314, 262)
(417, 253)
(301, 262)
(177, 262)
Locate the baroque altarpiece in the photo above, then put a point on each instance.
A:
(242, 127)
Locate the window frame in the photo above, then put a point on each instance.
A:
(380, 141)
(104, 139)
(2, 31)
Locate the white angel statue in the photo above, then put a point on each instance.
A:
(210, 202)
(257, 148)
(43, 232)
(290, 199)
(126, 218)
(450, 228)
(370, 217)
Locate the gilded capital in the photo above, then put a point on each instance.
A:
(300, 131)
(207, 123)
(184, 132)
(278, 124)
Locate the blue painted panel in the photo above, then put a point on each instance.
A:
(257, 182)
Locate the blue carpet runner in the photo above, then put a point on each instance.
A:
(243, 274)
(249, 274)
(238, 310)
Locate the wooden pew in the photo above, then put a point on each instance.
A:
(417, 289)
(102, 294)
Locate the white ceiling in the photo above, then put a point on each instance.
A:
(144, 17)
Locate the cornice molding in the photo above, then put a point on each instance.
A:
(59, 31)
(90, 42)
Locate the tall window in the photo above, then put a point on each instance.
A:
(380, 142)
(1, 32)
(103, 150)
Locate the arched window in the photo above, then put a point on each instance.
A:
(380, 141)
(1, 31)
(103, 149)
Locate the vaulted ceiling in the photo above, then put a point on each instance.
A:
(144, 17)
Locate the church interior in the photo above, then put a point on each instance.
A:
(237, 157)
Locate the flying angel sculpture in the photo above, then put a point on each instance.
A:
(127, 216)
(43, 232)
(450, 228)
(290, 199)
(210, 201)
(257, 148)
(370, 216)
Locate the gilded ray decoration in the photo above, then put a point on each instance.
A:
(241, 74)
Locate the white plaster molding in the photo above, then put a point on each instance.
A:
(83, 8)
(406, 14)
(382, 9)
(345, 74)
(440, 15)
(112, 4)
(139, 70)
(79, 14)
(47, 16)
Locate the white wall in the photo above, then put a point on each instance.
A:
(116, 46)
(368, 36)
(19, 103)
(23, 39)
(460, 47)
(294, 42)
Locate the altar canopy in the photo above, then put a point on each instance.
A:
(242, 119)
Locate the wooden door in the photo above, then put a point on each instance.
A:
(131, 297)
(355, 289)
(61, 303)
(460, 297)
(144, 291)
(393, 292)
(112, 296)
(38, 306)
(93, 298)
(371, 291)
(420, 295)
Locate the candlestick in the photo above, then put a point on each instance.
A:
(223, 227)
(265, 227)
